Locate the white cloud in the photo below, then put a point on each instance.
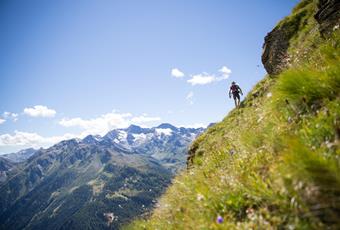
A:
(2, 120)
(177, 73)
(100, 125)
(106, 122)
(141, 120)
(12, 116)
(205, 78)
(40, 111)
(225, 72)
(201, 79)
(195, 126)
(190, 98)
(31, 139)
(15, 116)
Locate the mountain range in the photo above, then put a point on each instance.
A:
(99, 182)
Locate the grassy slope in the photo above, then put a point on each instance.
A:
(274, 163)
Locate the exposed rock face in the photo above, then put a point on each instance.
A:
(275, 56)
(5, 167)
(328, 15)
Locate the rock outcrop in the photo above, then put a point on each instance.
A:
(275, 56)
(328, 16)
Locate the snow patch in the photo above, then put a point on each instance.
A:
(122, 135)
(166, 132)
(139, 137)
(97, 137)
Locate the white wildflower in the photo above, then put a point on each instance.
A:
(200, 197)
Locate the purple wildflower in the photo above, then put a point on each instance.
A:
(219, 219)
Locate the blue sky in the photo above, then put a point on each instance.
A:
(70, 68)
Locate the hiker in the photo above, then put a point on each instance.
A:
(236, 91)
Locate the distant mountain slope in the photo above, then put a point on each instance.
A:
(274, 162)
(94, 183)
(20, 156)
(6, 166)
(166, 143)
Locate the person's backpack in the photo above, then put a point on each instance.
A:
(234, 89)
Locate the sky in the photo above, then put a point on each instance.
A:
(73, 68)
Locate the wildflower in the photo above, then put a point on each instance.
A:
(290, 120)
(219, 219)
(250, 211)
(200, 197)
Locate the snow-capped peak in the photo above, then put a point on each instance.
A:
(166, 132)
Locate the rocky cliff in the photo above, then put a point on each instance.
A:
(328, 16)
(276, 56)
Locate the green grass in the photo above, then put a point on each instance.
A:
(272, 164)
(302, 5)
(312, 82)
